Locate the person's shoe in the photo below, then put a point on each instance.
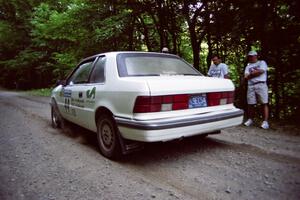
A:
(249, 122)
(265, 125)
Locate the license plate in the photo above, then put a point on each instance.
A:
(197, 101)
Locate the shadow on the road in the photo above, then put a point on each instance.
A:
(153, 152)
(81, 135)
(173, 150)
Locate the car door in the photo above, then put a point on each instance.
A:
(74, 92)
(93, 92)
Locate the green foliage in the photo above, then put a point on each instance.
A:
(65, 63)
(49, 24)
(41, 41)
(9, 38)
(112, 26)
(44, 92)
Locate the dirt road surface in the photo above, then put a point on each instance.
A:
(39, 162)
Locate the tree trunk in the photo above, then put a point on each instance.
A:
(145, 32)
(209, 55)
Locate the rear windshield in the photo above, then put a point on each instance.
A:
(152, 64)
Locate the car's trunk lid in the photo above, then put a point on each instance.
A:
(168, 85)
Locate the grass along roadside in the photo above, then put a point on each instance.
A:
(44, 92)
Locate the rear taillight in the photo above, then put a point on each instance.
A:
(145, 104)
(220, 98)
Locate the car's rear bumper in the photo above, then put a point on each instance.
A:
(173, 128)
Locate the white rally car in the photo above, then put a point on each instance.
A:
(133, 97)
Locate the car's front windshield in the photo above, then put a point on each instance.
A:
(153, 64)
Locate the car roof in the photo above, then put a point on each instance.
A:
(114, 53)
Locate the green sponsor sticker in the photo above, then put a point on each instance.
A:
(91, 93)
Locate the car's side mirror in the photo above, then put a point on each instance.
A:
(61, 82)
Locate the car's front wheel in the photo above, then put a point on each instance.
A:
(56, 118)
(108, 137)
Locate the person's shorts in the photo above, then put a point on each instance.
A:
(257, 93)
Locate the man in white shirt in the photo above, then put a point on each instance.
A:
(218, 69)
(256, 74)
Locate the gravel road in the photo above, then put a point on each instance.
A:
(39, 162)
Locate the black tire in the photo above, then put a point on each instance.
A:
(108, 137)
(56, 118)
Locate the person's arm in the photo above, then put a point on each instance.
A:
(257, 72)
(225, 71)
(253, 74)
(247, 73)
(208, 73)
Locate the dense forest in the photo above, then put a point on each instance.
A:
(41, 41)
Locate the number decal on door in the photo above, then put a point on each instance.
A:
(67, 105)
(68, 94)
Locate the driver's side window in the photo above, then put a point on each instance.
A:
(81, 75)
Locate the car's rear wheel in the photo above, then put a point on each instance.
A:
(56, 118)
(108, 137)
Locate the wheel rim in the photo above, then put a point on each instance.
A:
(54, 118)
(107, 136)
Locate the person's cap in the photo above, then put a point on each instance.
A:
(165, 49)
(252, 53)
